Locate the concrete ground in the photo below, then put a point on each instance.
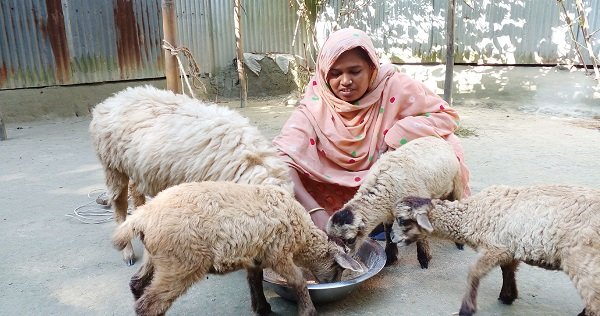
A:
(55, 265)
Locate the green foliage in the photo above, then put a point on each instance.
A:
(463, 132)
(312, 8)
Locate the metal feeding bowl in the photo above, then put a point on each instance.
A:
(370, 253)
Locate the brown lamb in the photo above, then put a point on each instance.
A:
(555, 227)
(193, 229)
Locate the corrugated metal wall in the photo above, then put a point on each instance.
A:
(57, 42)
(267, 27)
(54, 42)
(493, 31)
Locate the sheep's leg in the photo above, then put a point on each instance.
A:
(295, 279)
(391, 249)
(423, 253)
(490, 259)
(165, 288)
(582, 265)
(584, 312)
(116, 183)
(142, 278)
(138, 198)
(257, 294)
(509, 290)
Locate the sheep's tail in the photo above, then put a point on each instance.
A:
(127, 230)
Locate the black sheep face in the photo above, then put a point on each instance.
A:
(347, 226)
(411, 217)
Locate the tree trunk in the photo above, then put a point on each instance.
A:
(448, 81)
(170, 32)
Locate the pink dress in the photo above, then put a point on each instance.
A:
(332, 143)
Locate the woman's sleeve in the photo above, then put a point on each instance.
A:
(424, 114)
(293, 139)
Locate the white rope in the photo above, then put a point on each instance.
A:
(93, 212)
(193, 65)
(175, 52)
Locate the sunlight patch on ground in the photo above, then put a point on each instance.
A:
(84, 168)
(14, 176)
(89, 292)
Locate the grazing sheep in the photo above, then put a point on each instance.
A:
(193, 229)
(555, 227)
(158, 139)
(426, 166)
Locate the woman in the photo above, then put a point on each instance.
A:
(354, 110)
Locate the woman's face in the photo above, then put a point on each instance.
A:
(350, 75)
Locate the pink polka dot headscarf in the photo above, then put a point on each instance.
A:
(333, 141)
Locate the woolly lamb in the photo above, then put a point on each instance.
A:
(193, 229)
(555, 227)
(159, 139)
(426, 166)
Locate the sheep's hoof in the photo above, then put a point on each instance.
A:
(264, 310)
(507, 298)
(390, 261)
(129, 261)
(466, 310)
(103, 199)
(460, 246)
(424, 262)
(128, 255)
(308, 312)
(391, 253)
(423, 258)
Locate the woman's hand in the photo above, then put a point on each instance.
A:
(320, 218)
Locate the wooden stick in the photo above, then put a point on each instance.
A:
(240, 52)
(170, 32)
(3, 135)
(449, 51)
(573, 37)
(584, 28)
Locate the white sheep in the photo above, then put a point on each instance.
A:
(555, 227)
(426, 166)
(158, 139)
(193, 229)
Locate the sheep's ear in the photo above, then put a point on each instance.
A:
(424, 222)
(347, 262)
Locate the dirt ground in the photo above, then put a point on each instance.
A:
(55, 265)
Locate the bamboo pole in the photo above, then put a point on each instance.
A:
(3, 135)
(586, 36)
(448, 81)
(240, 52)
(170, 33)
